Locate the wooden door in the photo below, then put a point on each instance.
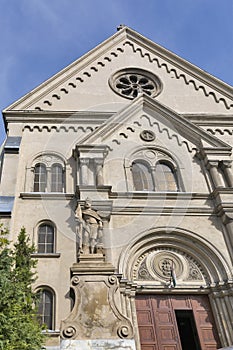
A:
(157, 322)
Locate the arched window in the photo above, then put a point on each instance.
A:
(56, 178)
(165, 177)
(49, 173)
(46, 308)
(40, 178)
(142, 178)
(46, 238)
(152, 169)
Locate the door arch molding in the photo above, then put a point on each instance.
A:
(212, 263)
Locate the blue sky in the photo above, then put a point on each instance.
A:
(40, 37)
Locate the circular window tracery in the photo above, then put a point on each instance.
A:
(131, 82)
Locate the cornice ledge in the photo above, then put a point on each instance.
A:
(59, 116)
(187, 129)
(158, 195)
(225, 213)
(222, 191)
(163, 210)
(46, 195)
(223, 198)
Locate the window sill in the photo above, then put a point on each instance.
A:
(51, 332)
(46, 255)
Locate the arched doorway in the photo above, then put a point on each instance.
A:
(186, 315)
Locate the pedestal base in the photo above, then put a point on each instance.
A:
(98, 344)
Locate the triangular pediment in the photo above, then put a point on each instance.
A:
(145, 113)
(84, 84)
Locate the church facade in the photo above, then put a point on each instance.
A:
(120, 169)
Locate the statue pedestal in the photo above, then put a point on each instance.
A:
(91, 264)
(97, 320)
(98, 344)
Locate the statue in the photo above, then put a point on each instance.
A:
(89, 229)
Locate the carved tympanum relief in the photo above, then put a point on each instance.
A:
(48, 160)
(156, 265)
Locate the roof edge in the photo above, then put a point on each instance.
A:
(126, 33)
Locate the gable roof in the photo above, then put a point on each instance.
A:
(57, 87)
(173, 124)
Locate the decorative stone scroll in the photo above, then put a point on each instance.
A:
(97, 309)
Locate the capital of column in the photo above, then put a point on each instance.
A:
(226, 163)
(212, 164)
(99, 162)
(227, 170)
(227, 217)
(84, 161)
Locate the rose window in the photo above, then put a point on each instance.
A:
(132, 82)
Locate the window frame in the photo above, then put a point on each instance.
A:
(49, 161)
(144, 177)
(173, 172)
(51, 225)
(57, 183)
(38, 175)
(152, 155)
(40, 292)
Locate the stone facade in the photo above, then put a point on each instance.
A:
(120, 169)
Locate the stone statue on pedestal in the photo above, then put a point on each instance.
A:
(89, 229)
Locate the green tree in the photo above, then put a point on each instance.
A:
(19, 326)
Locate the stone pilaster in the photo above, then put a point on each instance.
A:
(92, 155)
(228, 172)
(212, 166)
(223, 200)
(84, 171)
(99, 172)
(222, 306)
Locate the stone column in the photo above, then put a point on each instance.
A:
(228, 173)
(99, 180)
(212, 166)
(84, 162)
(222, 304)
